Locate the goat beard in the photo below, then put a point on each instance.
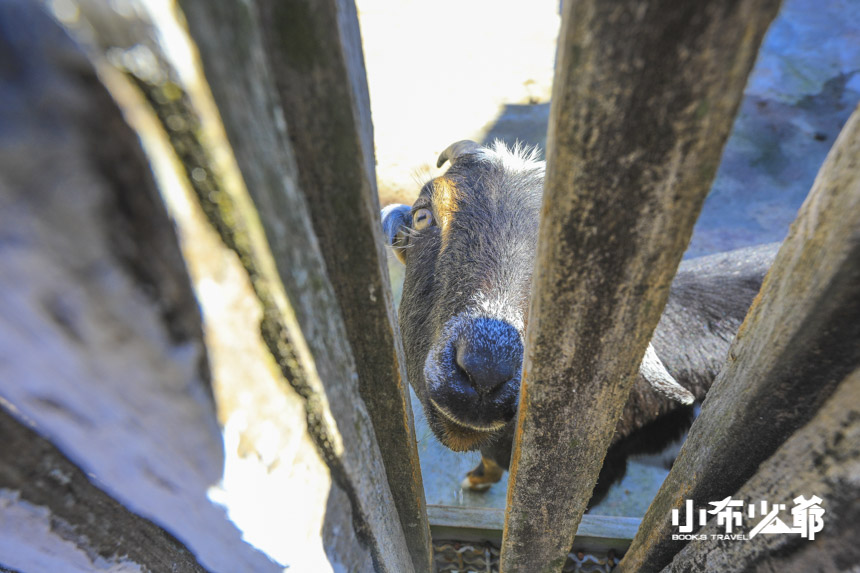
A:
(456, 437)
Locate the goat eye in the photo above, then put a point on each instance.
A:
(421, 219)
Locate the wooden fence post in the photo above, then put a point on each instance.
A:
(821, 459)
(798, 341)
(44, 490)
(644, 98)
(314, 49)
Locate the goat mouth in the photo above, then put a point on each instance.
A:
(458, 436)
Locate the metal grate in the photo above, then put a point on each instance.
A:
(460, 557)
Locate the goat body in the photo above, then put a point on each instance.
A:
(469, 244)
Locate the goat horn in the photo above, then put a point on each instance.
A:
(655, 373)
(456, 151)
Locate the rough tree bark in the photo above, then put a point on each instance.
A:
(821, 459)
(644, 97)
(798, 341)
(101, 347)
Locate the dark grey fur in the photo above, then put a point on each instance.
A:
(476, 350)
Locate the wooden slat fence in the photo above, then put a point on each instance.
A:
(644, 97)
(820, 459)
(107, 423)
(271, 233)
(322, 91)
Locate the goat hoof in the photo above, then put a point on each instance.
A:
(469, 483)
(482, 477)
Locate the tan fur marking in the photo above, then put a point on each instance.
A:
(445, 197)
(483, 476)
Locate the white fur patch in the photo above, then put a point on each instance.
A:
(468, 485)
(499, 308)
(517, 158)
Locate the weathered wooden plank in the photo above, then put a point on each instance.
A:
(314, 48)
(595, 532)
(273, 467)
(50, 504)
(643, 100)
(101, 345)
(821, 459)
(276, 487)
(798, 341)
(302, 323)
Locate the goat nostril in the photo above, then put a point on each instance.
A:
(462, 370)
(484, 371)
(462, 363)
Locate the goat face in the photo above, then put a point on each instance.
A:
(468, 243)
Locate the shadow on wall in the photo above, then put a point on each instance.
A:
(520, 122)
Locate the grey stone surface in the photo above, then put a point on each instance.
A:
(805, 85)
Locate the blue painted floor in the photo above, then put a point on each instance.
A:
(443, 470)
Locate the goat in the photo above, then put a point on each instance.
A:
(468, 244)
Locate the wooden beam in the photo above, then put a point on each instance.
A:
(302, 323)
(798, 341)
(595, 533)
(820, 459)
(101, 344)
(49, 503)
(314, 49)
(267, 440)
(644, 97)
(350, 197)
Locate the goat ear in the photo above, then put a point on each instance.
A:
(395, 225)
(653, 370)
